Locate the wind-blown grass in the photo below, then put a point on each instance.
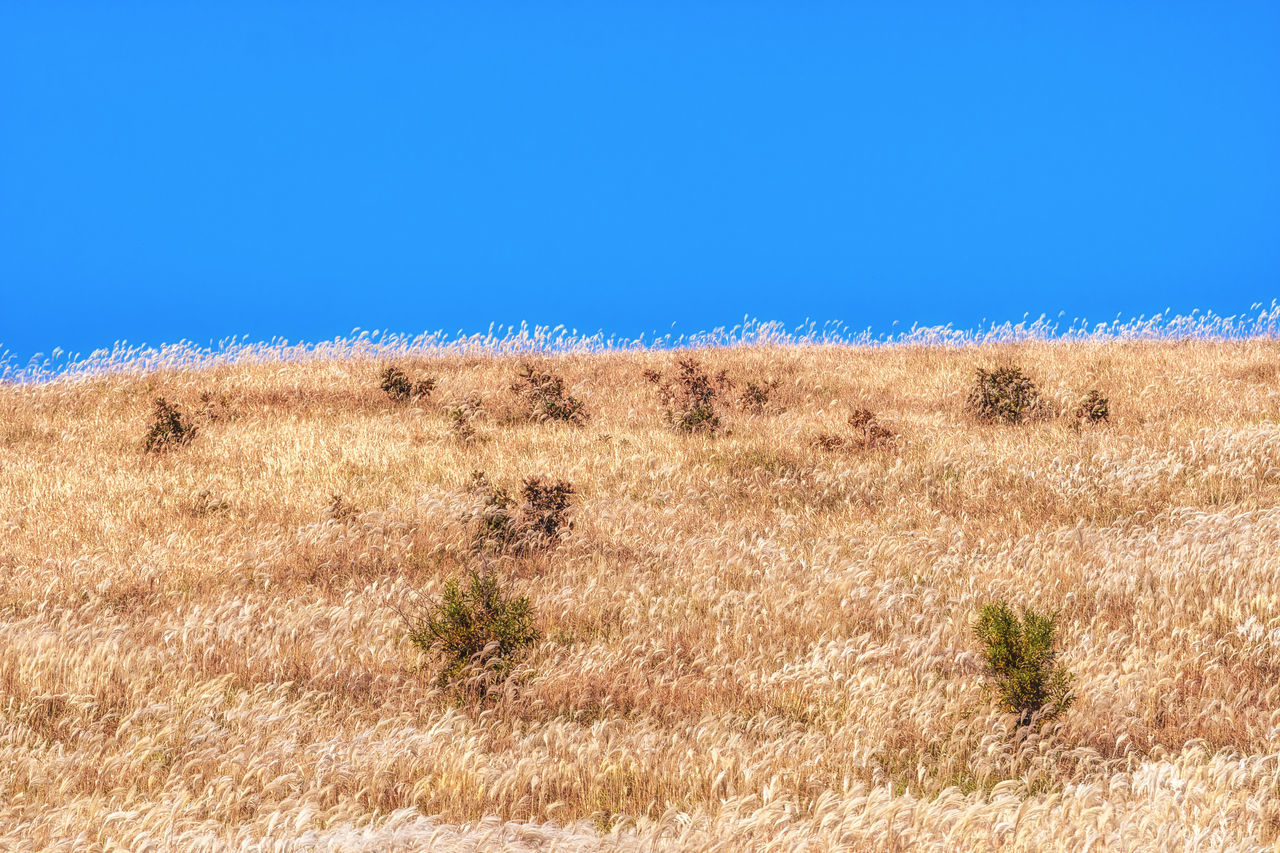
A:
(745, 642)
(1261, 321)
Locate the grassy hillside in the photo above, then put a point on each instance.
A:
(759, 637)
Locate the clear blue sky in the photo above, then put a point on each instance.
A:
(197, 170)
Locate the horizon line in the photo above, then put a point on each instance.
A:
(510, 339)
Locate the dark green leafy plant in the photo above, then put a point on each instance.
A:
(478, 626)
(1004, 395)
(545, 398)
(1094, 408)
(1021, 659)
(169, 428)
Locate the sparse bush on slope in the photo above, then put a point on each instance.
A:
(169, 428)
(536, 523)
(341, 508)
(544, 513)
(755, 396)
(1004, 395)
(865, 433)
(1021, 659)
(397, 385)
(689, 400)
(1094, 408)
(478, 626)
(544, 396)
(462, 419)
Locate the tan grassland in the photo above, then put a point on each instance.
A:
(748, 642)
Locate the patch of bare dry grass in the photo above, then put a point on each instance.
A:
(745, 642)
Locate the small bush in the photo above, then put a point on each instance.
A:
(1094, 408)
(755, 396)
(495, 522)
(169, 428)
(214, 407)
(397, 385)
(480, 629)
(1004, 395)
(545, 398)
(537, 523)
(544, 515)
(689, 400)
(1021, 659)
(868, 432)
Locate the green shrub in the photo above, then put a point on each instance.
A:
(545, 398)
(1094, 408)
(689, 401)
(169, 428)
(1004, 395)
(1021, 659)
(479, 628)
(397, 385)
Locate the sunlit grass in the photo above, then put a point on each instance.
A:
(745, 640)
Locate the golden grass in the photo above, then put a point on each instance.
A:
(749, 642)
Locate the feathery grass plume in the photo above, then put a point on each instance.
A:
(169, 428)
(478, 626)
(544, 396)
(1094, 408)
(1021, 659)
(1004, 395)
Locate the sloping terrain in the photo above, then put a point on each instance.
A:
(760, 639)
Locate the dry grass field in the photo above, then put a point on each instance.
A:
(747, 641)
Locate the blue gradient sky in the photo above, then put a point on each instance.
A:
(198, 170)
